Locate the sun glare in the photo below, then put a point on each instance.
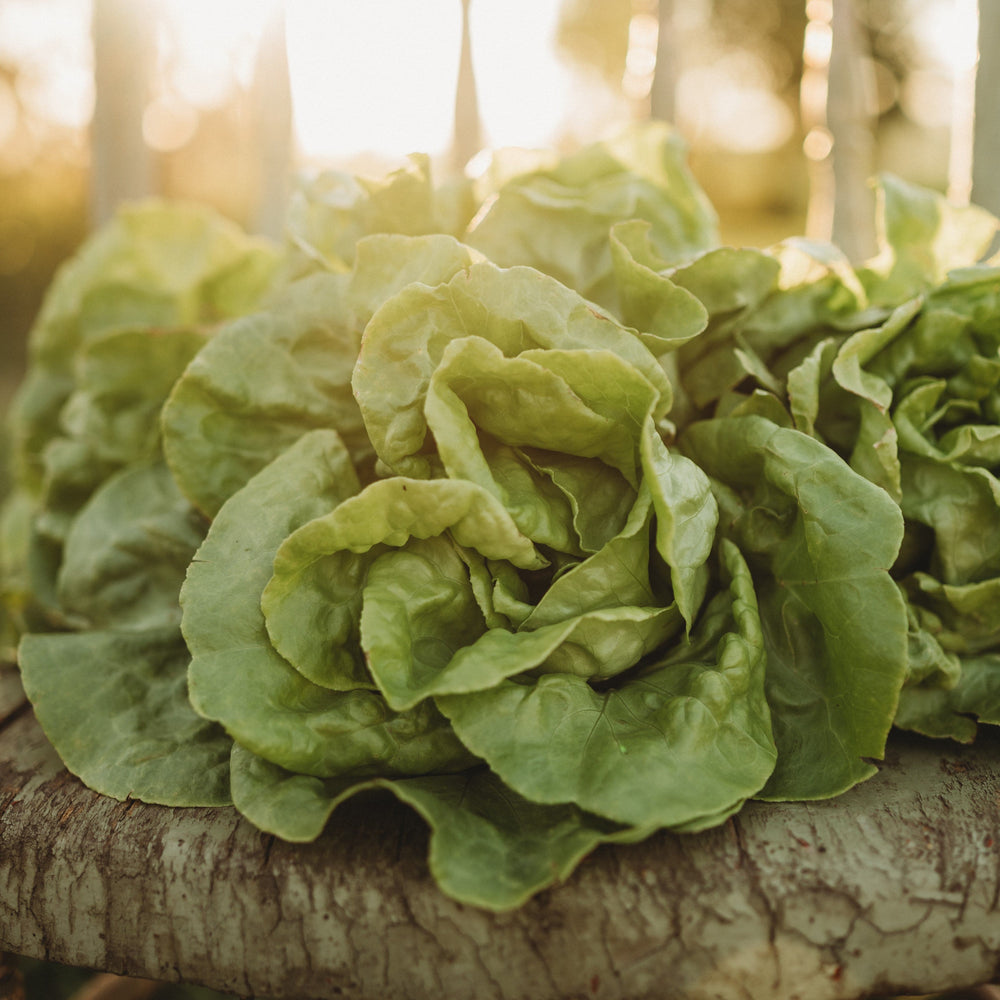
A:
(375, 77)
(524, 88)
(208, 46)
(379, 77)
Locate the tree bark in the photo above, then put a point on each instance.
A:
(892, 888)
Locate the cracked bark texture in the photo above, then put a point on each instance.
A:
(892, 888)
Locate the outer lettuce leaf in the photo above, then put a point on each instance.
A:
(110, 420)
(114, 705)
(558, 220)
(489, 846)
(686, 738)
(962, 508)
(155, 265)
(330, 213)
(113, 699)
(127, 553)
(952, 711)
(820, 540)
(261, 383)
(236, 676)
(266, 379)
(922, 237)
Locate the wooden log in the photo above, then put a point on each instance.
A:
(893, 887)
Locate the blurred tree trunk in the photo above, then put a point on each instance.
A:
(850, 118)
(468, 138)
(124, 54)
(271, 100)
(663, 94)
(838, 113)
(986, 137)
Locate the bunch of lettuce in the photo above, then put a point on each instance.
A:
(907, 391)
(532, 506)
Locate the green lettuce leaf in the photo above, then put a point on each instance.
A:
(922, 237)
(127, 553)
(114, 705)
(312, 603)
(156, 265)
(599, 497)
(686, 738)
(597, 618)
(266, 379)
(590, 404)
(489, 846)
(332, 211)
(237, 678)
(768, 311)
(952, 711)
(961, 506)
(558, 219)
(519, 312)
(820, 541)
(667, 314)
(686, 518)
(110, 419)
